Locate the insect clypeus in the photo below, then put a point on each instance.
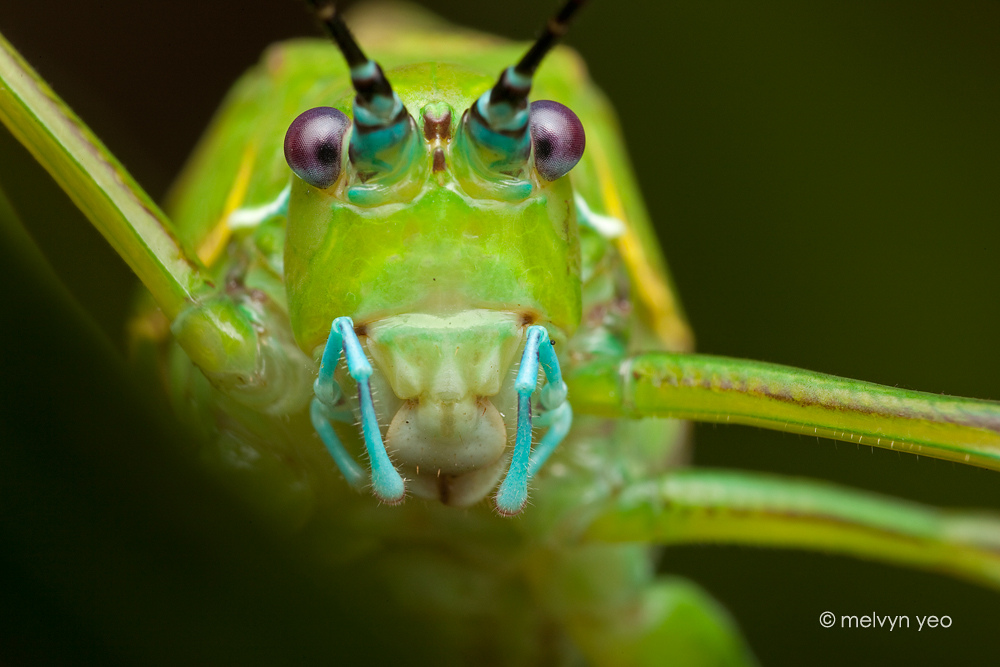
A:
(750, 283)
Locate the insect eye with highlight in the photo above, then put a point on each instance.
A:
(557, 138)
(314, 145)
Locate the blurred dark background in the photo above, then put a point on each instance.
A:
(825, 179)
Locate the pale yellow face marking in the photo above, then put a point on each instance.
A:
(451, 382)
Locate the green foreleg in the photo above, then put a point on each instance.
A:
(97, 184)
(218, 330)
(694, 506)
(717, 389)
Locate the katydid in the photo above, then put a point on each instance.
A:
(655, 376)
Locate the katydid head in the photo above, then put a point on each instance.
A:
(444, 239)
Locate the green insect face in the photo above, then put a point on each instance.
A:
(422, 221)
(441, 241)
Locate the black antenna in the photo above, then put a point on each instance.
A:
(513, 89)
(497, 123)
(556, 27)
(382, 124)
(327, 14)
(370, 83)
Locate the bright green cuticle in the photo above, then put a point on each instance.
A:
(440, 253)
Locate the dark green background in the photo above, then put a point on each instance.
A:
(825, 178)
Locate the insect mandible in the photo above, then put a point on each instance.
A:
(911, 383)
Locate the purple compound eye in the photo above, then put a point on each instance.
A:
(557, 137)
(314, 144)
